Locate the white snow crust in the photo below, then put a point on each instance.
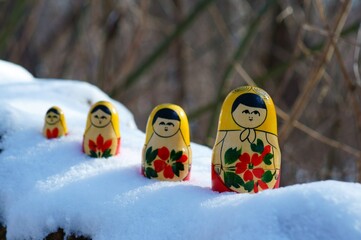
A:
(50, 184)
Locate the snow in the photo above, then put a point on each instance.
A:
(47, 184)
(10, 72)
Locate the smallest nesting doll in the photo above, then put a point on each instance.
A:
(102, 135)
(55, 125)
(166, 153)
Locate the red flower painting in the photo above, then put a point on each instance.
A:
(249, 171)
(248, 166)
(260, 184)
(162, 163)
(100, 148)
(170, 162)
(52, 133)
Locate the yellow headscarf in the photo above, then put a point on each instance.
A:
(226, 121)
(184, 126)
(114, 116)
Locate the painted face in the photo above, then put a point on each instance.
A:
(100, 119)
(164, 127)
(52, 118)
(249, 117)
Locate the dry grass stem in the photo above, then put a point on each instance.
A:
(244, 75)
(316, 74)
(357, 57)
(318, 136)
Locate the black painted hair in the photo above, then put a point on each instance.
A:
(103, 108)
(250, 100)
(166, 113)
(53, 110)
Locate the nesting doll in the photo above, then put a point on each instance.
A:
(102, 135)
(55, 125)
(246, 157)
(167, 154)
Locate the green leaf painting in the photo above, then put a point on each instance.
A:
(259, 147)
(150, 155)
(232, 179)
(267, 159)
(93, 154)
(249, 186)
(232, 155)
(150, 173)
(177, 167)
(267, 176)
(178, 155)
(107, 153)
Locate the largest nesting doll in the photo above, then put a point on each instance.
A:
(167, 154)
(246, 156)
(102, 134)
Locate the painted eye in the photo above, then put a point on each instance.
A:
(256, 113)
(49, 116)
(96, 116)
(170, 124)
(246, 111)
(103, 117)
(162, 123)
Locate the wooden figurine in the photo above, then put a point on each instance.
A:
(167, 154)
(102, 135)
(246, 156)
(55, 125)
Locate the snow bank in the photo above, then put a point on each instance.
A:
(47, 184)
(12, 73)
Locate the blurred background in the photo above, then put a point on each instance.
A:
(305, 54)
